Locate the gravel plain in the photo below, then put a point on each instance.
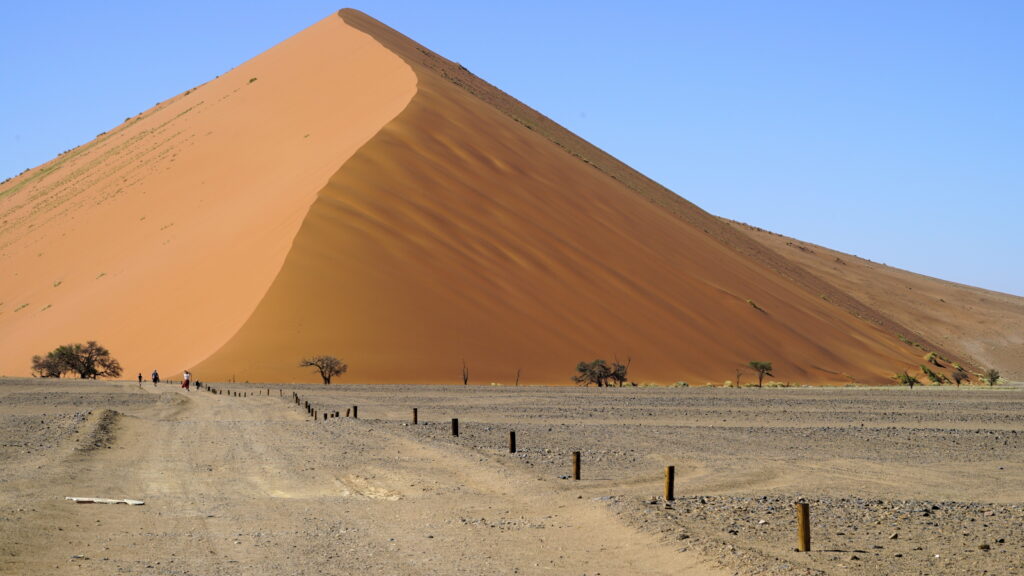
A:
(898, 481)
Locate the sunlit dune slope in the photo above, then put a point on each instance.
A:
(159, 237)
(459, 235)
(985, 328)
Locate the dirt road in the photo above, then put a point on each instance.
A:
(255, 487)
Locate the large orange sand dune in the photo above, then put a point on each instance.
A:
(366, 198)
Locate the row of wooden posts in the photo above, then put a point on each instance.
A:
(803, 522)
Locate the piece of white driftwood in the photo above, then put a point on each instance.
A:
(104, 501)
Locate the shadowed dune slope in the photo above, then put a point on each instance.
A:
(457, 234)
(159, 237)
(986, 328)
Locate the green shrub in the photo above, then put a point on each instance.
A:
(933, 376)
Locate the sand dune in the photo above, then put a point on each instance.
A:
(159, 237)
(458, 234)
(981, 326)
(349, 192)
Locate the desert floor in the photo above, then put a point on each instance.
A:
(927, 481)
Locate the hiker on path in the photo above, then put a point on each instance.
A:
(156, 377)
(186, 380)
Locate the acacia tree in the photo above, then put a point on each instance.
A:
(93, 360)
(960, 376)
(49, 366)
(329, 366)
(620, 372)
(600, 373)
(762, 369)
(89, 360)
(991, 376)
(597, 372)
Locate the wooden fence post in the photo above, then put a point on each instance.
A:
(803, 527)
(511, 441)
(576, 465)
(455, 426)
(415, 415)
(670, 483)
(355, 411)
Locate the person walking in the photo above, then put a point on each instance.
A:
(156, 377)
(186, 380)
(140, 378)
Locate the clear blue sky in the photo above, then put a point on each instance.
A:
(891, 130)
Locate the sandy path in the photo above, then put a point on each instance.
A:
(255, 488)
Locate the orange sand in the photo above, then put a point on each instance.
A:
(414, 228)
(165, 233)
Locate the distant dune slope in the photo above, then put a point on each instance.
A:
(159, 237)
(984, 327)
(458, 234)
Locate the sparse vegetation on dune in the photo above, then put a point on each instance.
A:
(933, 376)
(906, 379)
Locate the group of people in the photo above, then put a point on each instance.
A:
(186, 380)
